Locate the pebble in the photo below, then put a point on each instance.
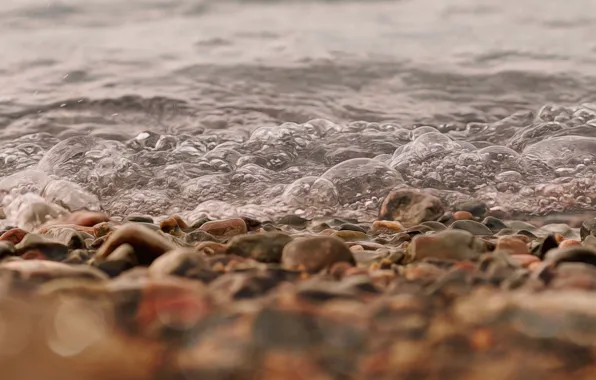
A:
(148, 245)
(587, 228)
(14, 235)
(463, 215)
(410, 207)
(351, 227)
(472, 227)
(449, 244)
(386, 227)
(576, 254)
(177, 263)
(348, 235)
(315, 253)
(512, 245)
(225, 228)
(475, 208)
(138, 219)
(494, 224)
(263, 247)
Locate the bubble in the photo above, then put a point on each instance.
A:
(499, 157)
(509, 176)
(419, 131)
(559, 151)
(70, 195)
(362, 178)
(311, 190)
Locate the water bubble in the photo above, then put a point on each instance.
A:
(311, 190)
(362, 178)
(558, 151)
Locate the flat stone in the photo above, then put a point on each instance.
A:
(148, 245)
(410, 207)
(84, 218)
(45, 270)
(315, 253)
(463, 215)
(197, 236)
(38, 247)
(263, 247)
(588, 227)
(471, 226)
(227, 227)
(475, 208)
(138, 219)
(346, 235)
(573, 254)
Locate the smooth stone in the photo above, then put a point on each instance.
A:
(227, 227)
(211, 248)
(292, 220)
(548, 243)
(177, 263)
(435, 226)
(574, 254)
(588, 228)
(471, 226)
(351, 227)
(561, 229)
(263, 247)
(77, 256)
(114, 268)
(476, 208)
(197, 236)
(494, 224)
(366, 257)
(124, 252)
(72, 238)
(347, 235)
(508, 232)
(148, 245)
(45, 270)
(316, 253)
(84, 218)
(237, 286)
(449, 244)
(386, 227)
(251, 224)
(197, 223)
(589, 241)
(102, 229)
(171, 226)
(513, 246)
(463, 215)
(14, 235)
(410, 207)
(524, 259)
(569, 243)
(36, 246)
(138, 219)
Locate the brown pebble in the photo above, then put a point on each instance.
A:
(463, 215)
(170, 226)
(316, 253)
(211, 248)
(14, 235)
(227, 227)
(356, 248)
(84, 218)
(347, 235)
(512, 245)
(525, 259)
(148, 245)
(385, 226)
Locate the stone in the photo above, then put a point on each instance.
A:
(435, 226)
(568, 243)
(314, 254)
(548, 243)
(84, 218)
(197, 236)
(148, 245)
(225, 228)
(46, 270)
(386, 227)
(7, 249)
(292, 220)
(351, 227)
(573, 254)
(14, 235)
(449, 244)
(347, 235)
(524, 259)
(264, 247)
(38, 247)
(476, 208)
(236, 286)
(211, 248)
(494, 224)
(513, 246)
(589, 241)
(124, 252)
(587, 228)
(177, 263)
(138, 219)
(463, 215)
(171, 226)
(471, 226)
(410, 207)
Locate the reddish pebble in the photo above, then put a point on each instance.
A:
(34, 254)
(525, 260)
(228, 227)
(85, 218)
(14, 235)
(512, 245)
(386, 226)
(569, 243)
(463, 215)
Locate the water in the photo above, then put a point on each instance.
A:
(264, 108)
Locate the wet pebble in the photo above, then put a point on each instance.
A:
(263, 247)
(410, 207)
(225, 228)
(450, 244)
(315, 253)
(473, 227)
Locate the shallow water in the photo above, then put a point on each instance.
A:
(264, 108)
